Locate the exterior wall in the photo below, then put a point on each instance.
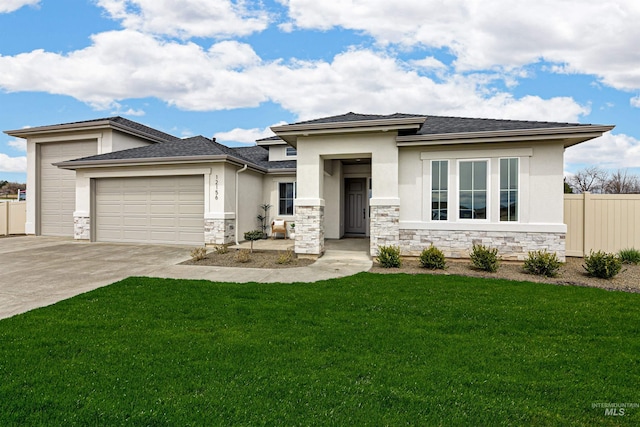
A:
(385, 227)
(250, 199)
(123, 141)
(457, 243)
(334, 200)
(540, 224)
(314, 151)
(219, 217)
(270, 190)
(279, 152)
(309, 230)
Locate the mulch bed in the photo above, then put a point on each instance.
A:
(571, 273)
(258, 259)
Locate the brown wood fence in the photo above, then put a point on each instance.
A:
(607, 222)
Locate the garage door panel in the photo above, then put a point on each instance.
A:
(150, 209)
(57, 198)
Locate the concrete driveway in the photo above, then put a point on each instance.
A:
(39, 271)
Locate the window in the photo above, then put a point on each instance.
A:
(508, 189)
(286, 195)
(473, 189)
(291, 152)
(439, 189)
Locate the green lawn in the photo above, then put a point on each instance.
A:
(368, 349)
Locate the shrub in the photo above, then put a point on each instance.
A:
(243, 256)
(603, 265)
(252, 236)
(629, 256)
(542, 263)
(221, 249)
(198, 254)
(389, 257)
(485, 258)
(285, 257)
(432, 258)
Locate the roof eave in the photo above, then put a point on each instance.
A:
(88, 126)
(153, 161)
(571, 135)
(281, 171)
(290, 133)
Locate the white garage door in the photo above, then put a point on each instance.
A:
(150, 210)
(58, 186)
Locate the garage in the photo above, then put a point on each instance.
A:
(58, 186)
(168, 210)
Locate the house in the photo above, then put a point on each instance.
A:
(400, 179)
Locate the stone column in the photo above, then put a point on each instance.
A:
(81, 227)
(219, 231)
(385, 227)
(309, 230)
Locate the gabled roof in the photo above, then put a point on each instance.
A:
(117, 122)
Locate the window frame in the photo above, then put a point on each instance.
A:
(280, 198)
(487, 190)
(439, 190)
(287, 149)
(517, 189)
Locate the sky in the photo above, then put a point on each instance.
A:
(231, 69)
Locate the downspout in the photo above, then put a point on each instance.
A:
(238, 172)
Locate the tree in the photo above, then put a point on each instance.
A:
(591, 179)
(567, 187)
(252, 236)
(621, 182)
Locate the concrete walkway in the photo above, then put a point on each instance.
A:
(39, 271)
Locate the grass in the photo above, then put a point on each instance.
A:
(367, 349)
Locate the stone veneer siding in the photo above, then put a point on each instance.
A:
(309, 230)
(457, 244)
(82, 228)
(219, 231)
(385, 226)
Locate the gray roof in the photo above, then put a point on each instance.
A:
(356, 117)
(197, 146)
(443, 125)
(260, 156)
(116, 122)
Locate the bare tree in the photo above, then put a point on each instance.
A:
(621, 182)
(591, 179)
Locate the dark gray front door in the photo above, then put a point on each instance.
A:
(355, 206)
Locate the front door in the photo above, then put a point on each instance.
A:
(355, 206)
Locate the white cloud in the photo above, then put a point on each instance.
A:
(635, 101)
(580, 36)
(610, 151)
(13, 164)
(246, 135)
(7, 6)
(128, 64)
(188, 18)
(18, 144)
